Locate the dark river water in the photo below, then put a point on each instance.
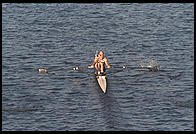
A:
(53, 36)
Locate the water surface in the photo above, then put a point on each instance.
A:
(52, 36)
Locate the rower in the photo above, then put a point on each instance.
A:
(99, 62)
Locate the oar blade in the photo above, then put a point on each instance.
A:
(43, 70)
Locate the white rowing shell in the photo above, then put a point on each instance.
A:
(102, 81)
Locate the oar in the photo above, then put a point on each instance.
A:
(41, 70)
(151, 68)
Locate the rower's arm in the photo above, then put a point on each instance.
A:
(107, 64)
(94, 62)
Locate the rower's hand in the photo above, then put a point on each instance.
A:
(109, 67)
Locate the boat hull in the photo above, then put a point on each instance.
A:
(102, 81)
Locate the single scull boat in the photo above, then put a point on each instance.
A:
(102, 81)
